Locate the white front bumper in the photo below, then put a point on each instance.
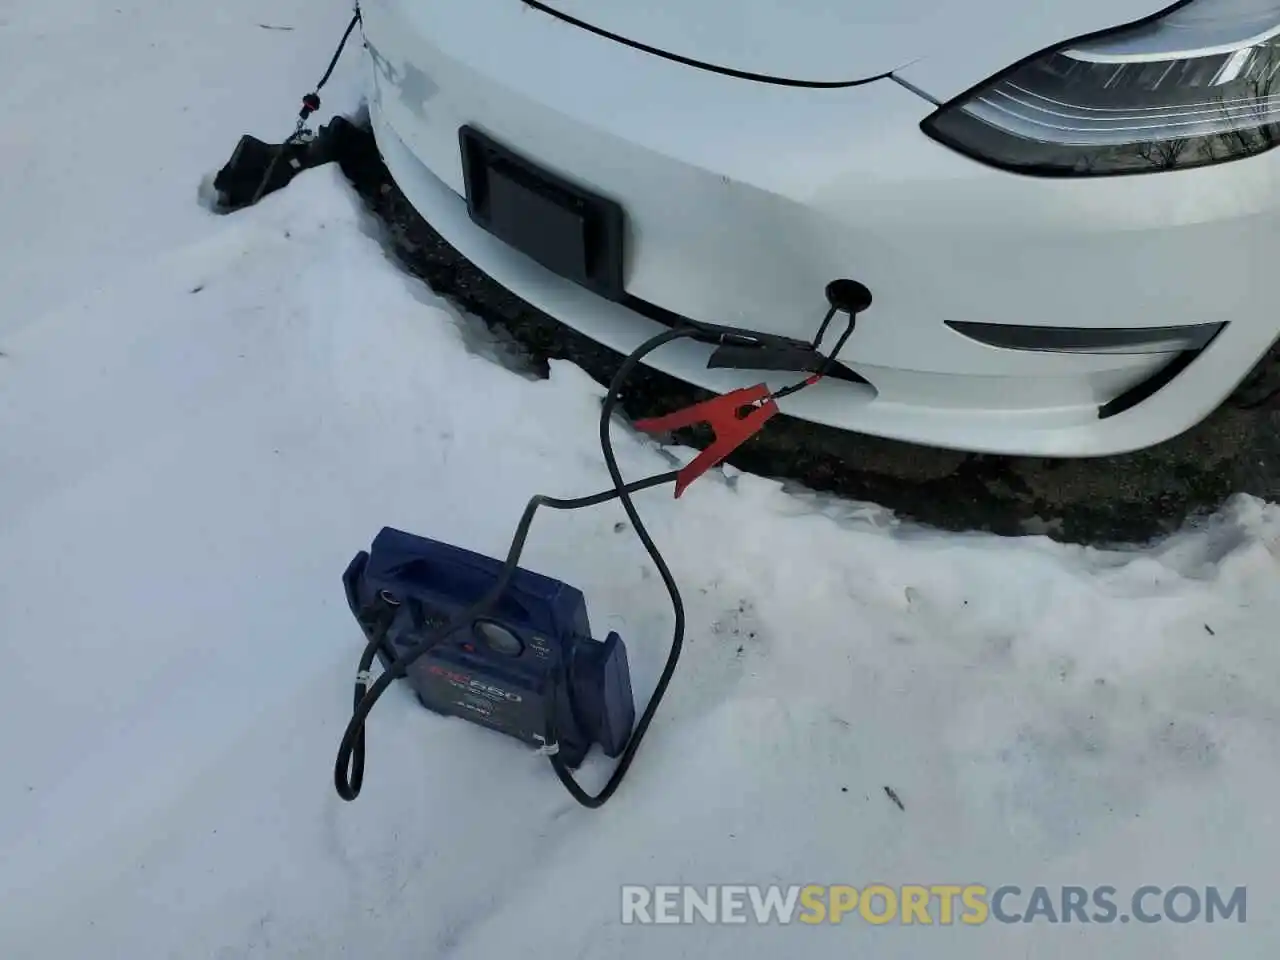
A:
(744, 199)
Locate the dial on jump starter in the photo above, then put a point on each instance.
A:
(486, 640)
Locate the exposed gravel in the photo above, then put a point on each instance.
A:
(1126, 498)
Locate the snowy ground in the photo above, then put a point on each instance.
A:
(202, 419)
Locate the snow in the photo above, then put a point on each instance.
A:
(203, 418)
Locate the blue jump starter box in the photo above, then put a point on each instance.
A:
(529, 668)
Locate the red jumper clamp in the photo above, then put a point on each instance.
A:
(733, 418)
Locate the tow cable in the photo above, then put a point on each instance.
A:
(257, 168)
(520, 658)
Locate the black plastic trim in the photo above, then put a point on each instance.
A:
(1081, 339)
(1145, 389)
(702, 65)
(929, 128)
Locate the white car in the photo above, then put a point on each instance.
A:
(1066, 212)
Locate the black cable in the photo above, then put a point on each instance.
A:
(348, 770)
(669, 581)
(826, 321)
(338, 53)
(828, 361)
(353, 763)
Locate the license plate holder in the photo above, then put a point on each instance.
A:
(570, 231)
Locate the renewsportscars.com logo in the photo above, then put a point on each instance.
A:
(930, 904)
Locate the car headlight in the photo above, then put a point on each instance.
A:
(1195, 85)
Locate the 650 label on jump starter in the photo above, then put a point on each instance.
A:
(448, 689)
